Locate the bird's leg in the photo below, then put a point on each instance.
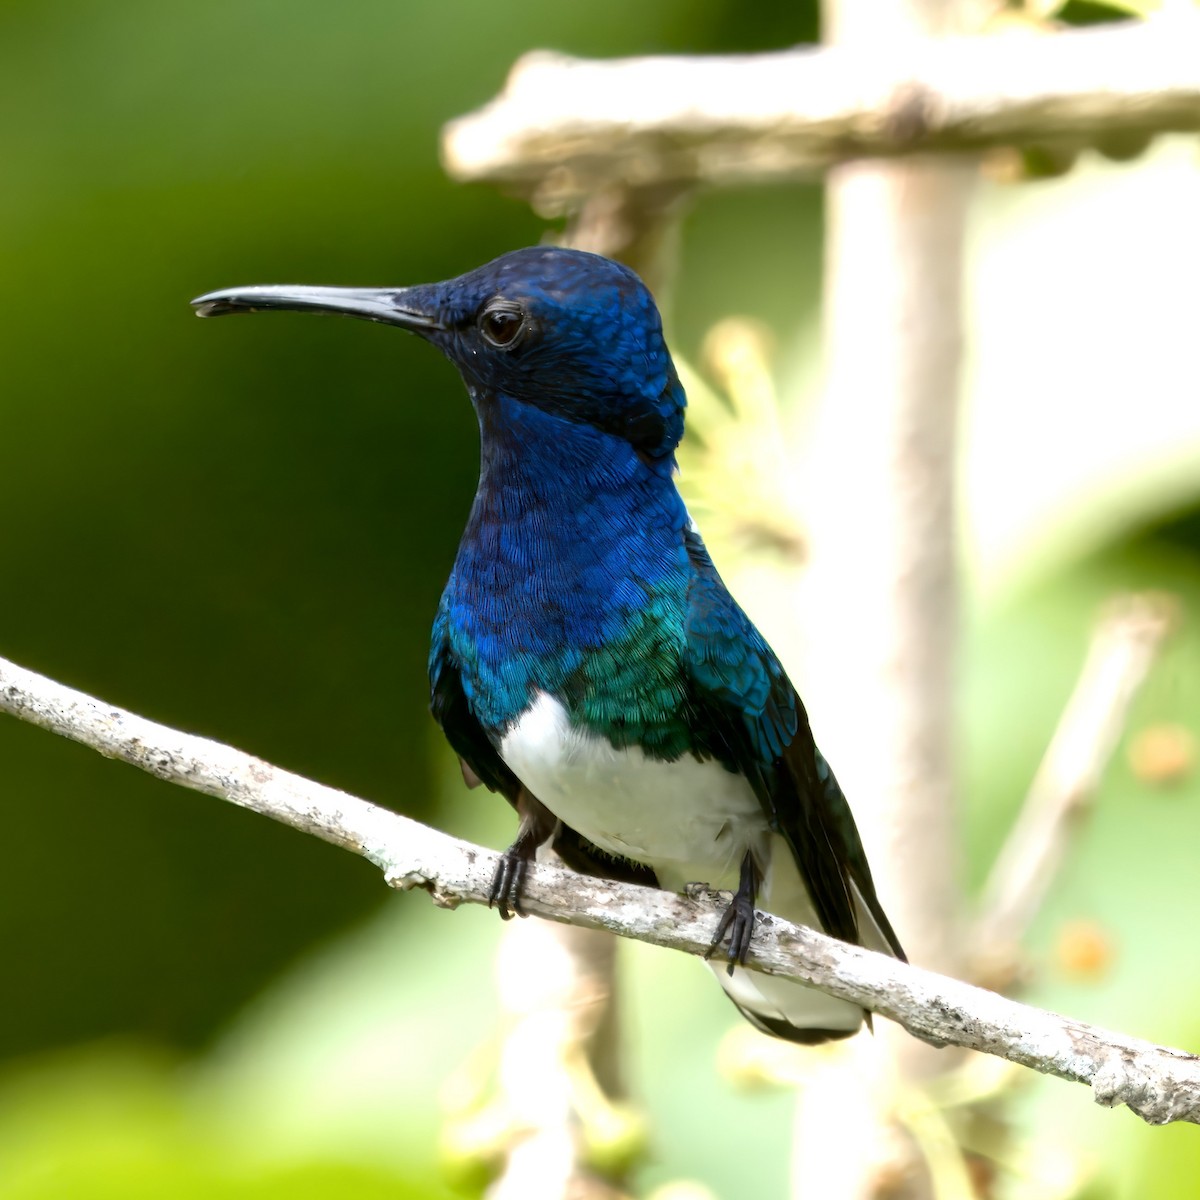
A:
(537, 826)
(738, 920)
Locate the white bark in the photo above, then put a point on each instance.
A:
(565, 128)
(1159, 1083)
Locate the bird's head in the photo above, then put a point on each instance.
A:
(574, 334)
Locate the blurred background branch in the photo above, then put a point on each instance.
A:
(1125, 643)
(566, 129)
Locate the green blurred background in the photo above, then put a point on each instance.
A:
(241, 529)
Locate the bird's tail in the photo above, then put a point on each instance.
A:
(783, 1007)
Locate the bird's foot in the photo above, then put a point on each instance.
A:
(737, 922)
(538, 824)
(505, 892)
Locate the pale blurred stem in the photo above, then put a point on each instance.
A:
(559, 1060)
(638, 225)
(885, 614)
(884, 576)
(1157, 1082)
(562, 1042)
(884, 530)
(1124, 644)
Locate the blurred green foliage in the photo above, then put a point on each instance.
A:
(116, 1127)
(241, 528)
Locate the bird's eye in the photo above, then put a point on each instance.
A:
(502, 324)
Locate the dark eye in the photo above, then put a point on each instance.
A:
(501, 324)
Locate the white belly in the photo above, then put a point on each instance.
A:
(691, 821)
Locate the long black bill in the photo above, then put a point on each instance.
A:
(407, 307)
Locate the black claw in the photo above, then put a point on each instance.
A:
(737, 922)
(505, 892)
(537, 825)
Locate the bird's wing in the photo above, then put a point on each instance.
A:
(481, 762)
(479, 758)
(753, 720)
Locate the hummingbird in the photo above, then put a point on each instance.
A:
(587, 660)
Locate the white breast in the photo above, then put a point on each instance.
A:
(692, 821)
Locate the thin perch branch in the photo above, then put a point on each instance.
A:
(1158, 1083)
(565, 128)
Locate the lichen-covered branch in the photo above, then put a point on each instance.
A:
(1158, 1083)
(566, 128)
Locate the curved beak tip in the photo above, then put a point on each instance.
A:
(211, 308)
(241, 300)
